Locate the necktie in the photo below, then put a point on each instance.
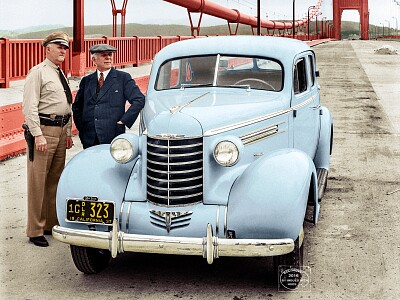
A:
(67, 90)
(101, 80)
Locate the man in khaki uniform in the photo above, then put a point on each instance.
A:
(47, 109)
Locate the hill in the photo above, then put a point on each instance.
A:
(132, 29)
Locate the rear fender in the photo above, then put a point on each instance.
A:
(269, 199)
(92, 172)
(324, 150)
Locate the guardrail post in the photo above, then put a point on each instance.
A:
(160, 44)
(5, 63)
(137, 57)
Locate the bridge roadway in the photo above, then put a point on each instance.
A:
(353, 252)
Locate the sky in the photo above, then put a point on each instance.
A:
(17, 14)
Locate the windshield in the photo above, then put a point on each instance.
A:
(220, 71)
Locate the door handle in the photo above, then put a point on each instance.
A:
(315, 107)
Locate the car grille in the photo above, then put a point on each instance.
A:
(174, 171)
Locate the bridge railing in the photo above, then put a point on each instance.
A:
(17, 57)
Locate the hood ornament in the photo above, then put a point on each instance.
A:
(177, 108)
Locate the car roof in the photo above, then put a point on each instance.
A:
(282, 49)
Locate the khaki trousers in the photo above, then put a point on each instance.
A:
(43, 175)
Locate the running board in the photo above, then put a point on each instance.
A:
(322, 175)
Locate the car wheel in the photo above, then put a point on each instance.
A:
(289, 265)
(90, 260)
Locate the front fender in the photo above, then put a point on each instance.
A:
(269, 199)
(92, 172)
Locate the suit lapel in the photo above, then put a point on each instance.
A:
(107, 83)
(93, 85)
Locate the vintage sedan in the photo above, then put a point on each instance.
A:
(231, 158)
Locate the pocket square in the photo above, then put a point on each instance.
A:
(116, 91)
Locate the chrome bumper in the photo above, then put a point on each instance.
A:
(210, 247)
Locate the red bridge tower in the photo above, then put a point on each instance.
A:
(361, 5)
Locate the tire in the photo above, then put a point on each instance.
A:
(90, 260)
(289, 263)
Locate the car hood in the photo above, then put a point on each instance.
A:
(194, 113)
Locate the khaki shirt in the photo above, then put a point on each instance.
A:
(44, 93)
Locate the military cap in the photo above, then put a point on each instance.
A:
(58, 37)
(102, 48)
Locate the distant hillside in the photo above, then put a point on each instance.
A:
(132, 29)
(14, 34)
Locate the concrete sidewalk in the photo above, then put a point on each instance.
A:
(383, 71)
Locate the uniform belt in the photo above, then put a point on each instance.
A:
(53, 120)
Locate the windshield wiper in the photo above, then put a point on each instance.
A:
(191, 85)
(241, 86)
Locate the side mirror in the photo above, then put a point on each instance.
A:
(317, 73)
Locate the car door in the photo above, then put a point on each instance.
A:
(305, 105)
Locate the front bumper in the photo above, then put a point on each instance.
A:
(210, 247)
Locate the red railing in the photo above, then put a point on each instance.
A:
(17, 57)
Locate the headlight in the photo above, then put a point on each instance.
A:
(122, 150)
(226, 153)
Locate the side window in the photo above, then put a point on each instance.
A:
(311, 69)
(300, 76)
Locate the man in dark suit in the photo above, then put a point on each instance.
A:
(99, 107)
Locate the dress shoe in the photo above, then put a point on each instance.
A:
(47, 232)
(39, 241)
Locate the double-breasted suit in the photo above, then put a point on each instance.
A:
(96, 115)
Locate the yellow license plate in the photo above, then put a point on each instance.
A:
(86, 211)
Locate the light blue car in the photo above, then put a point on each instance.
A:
(231, 159)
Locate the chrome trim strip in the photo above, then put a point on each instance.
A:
(258, 119)
(121, 211)
(174, 197)
(175, 137)
(175, 164)
(177, 147)
(174, 180)
(260, 131)
(260, 137)
(304, 103)
(260, 134)
(175, 155)
(209, 247)
(174, 205)
(175, 172)
(175, 189)
(128, 213)
(245, 123)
